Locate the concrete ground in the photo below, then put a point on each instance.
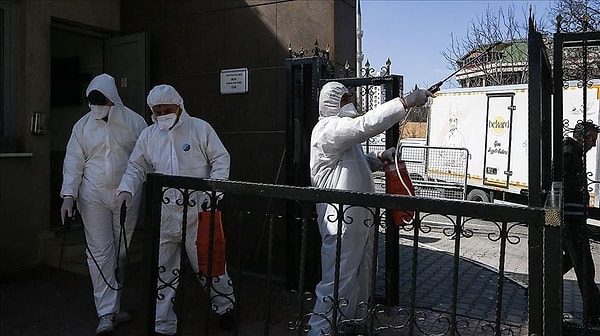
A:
(45, 302)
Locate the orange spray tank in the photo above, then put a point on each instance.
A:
(398, 182)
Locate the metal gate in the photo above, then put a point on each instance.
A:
(545, 185)
(306, 74)
(304, 116)
(544, 310)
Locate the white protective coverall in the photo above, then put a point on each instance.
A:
(190, 148)
(95, 160)
(337, 161)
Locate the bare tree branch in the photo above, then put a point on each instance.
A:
(578, 16)
(504, 64)
(573, 13)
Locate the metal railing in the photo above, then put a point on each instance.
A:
(269, 309)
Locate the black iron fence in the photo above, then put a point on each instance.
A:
(270, 308)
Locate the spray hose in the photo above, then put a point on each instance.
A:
(122, 237)
(397, 169)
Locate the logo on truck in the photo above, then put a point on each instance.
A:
(498, 125)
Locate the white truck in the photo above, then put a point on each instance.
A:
(492, 124)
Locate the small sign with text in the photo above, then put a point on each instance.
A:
(234, 81)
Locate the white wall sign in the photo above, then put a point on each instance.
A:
(234, 81)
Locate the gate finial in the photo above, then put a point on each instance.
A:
(387, 67)
(346, 70)
(320, 52)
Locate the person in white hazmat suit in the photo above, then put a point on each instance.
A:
(337, 161)
(178, 144)
(96, 158)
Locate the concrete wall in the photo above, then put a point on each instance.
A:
(192, 41)
(25, 181)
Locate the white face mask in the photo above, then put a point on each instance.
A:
(99, 111)
(166, 121)
(348, 110)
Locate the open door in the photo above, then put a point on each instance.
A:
(123, 57)
(126, 59)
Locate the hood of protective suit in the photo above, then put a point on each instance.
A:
(105, 84)
(97, 151)
(330, 98)
(164, 94)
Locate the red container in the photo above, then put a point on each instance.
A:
(399, 185)
(202, 244)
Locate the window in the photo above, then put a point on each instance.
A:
(7, 86)
(2, 63)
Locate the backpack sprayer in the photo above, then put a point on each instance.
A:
(397, 178)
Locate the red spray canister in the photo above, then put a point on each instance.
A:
(398, 182)
(218, 247)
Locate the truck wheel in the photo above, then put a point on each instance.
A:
(478, 195)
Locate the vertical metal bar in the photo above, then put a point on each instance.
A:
(267, 311)
(290, 104)
(296, 97)
(336, 278)
(553, 233)
(501, 278)
(413, 280)
(534, 139)
(210, 261)
(392, 247)
(211, 238)
(585, 80)
(557, 129)
(553, 290)
(179, 303)
(376, 222)
(238, 273)
(456, 259)
(545, 133)
(392, 261)
(551, 147)
(150, 255)
(306, 212)
(535, 266)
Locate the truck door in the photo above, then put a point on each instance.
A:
(125, 58)
(498, 135)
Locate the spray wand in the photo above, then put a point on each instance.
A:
(436, 87)
(403, 184)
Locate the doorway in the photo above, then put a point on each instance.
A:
(72, 68)
(78, 54)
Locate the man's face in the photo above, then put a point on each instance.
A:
(346, 99)
(453, 122)
(164, 109)
(589, 141)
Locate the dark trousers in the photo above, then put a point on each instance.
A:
(576, 246)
